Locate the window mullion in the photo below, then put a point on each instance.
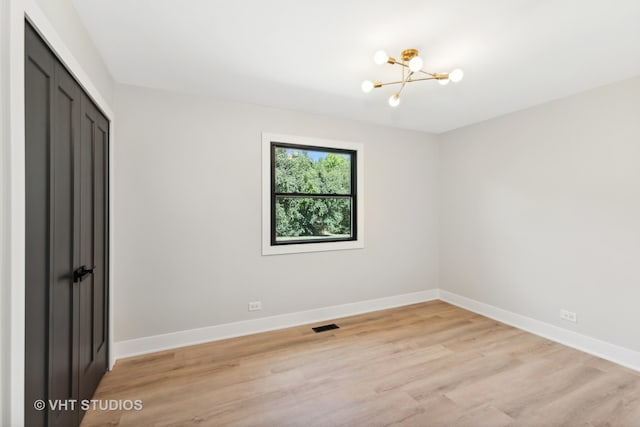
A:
(312, 195)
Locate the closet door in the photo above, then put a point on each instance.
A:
(52, 107)
(38, 96)
(63, 298)
(93, 242)
(66, 143)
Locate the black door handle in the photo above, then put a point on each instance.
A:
(80, 274)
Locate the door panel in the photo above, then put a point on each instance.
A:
(93, 354)
(86, 242)
(38, 98)
(100, 238)
(63, 327)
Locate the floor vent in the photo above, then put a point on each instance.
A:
(325, 327)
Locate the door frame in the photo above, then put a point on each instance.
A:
(13, 15)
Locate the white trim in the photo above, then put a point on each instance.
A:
(16, 212)
(267, 249)
(111, 269)
(229, 330)
(614, 353)
(5, 167)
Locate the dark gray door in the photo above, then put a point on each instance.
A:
(92, 247)
(66, 240)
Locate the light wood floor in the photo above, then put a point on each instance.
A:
(429, 364)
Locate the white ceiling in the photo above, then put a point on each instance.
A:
(313, 55)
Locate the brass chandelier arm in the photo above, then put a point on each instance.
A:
(424, 78)
(379, 84)
(404, 82)
(436, 76)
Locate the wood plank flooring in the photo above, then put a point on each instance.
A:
(429, 364)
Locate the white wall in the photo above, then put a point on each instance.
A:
(188, 211)
(540, 211)
(5, 306)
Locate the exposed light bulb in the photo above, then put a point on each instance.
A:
(380, 57)
(456, 75)
(394, 100)
(415, 64)
(367, 86)
(443, 82)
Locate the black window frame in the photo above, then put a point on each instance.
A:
(353, 194)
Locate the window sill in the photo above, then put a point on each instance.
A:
(315, 247)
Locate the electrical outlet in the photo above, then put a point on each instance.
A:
(255, 305)
(568, 315)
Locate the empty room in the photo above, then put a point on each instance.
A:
(337, 213)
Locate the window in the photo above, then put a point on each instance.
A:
(313, 194)
(312, 197)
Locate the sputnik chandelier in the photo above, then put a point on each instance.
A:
(411, 63)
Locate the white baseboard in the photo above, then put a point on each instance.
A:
(614, 353)
(229, 330)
